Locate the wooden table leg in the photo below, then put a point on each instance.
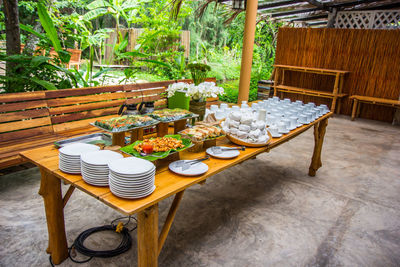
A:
(147, 237)
(50, 190)
(353, 112)
(319, 133)
(179, 126)
(162, 129)
(136, 134)
(118, 139)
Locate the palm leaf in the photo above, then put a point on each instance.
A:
(98, 4)
(93, 14)
(48, 26)
(29, 29)
(45, 84)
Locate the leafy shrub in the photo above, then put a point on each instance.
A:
(232, 91)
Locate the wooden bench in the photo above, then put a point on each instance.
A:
(336, 94)
(33, 119)
(358, 99)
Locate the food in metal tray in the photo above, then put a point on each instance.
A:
(126, 122)
(160, 144)
(166, 115)
(201, 132)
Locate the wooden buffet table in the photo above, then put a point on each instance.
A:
(150, 242)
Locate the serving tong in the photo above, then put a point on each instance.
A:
(186, 164)
(218, 150)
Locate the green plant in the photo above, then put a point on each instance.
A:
(35, 73)
(199, 72)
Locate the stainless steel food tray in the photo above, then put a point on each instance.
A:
(127, 130)
(88, 139)
(176, 119)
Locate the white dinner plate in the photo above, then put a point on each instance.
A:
(194, 170)
(134, 196)
(139, 176)
(132, 182)
(228, 154)
(129, 190)
(77, 149)
(134, 185)
(102, 157)
(131, 166)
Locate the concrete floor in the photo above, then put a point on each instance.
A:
(264, 212)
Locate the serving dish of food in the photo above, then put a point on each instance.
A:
(200, 133)
(125, 123)
(157, 148)
(169, 115)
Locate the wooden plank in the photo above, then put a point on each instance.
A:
(18, 125)
(25, 133)
(24, 96)
(11, 161)
(316, 70)
(21, 115)
(137, 93)
(23, 105)
(84, 115)
(85, 107)
(83, 91)
(84, 99)
(292, 89)
(77, 124)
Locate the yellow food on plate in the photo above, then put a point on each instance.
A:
(160, 144)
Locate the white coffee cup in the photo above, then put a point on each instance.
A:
(309, 116)
(262, 113)
(293, 122)
(273, 129)
(235, 108)
(219, 115)
(303, 118)
(282, 127)
(214, 108)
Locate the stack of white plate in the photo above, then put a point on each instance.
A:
(70, 156)
(131, 177)
(94, 166)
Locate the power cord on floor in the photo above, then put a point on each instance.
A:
(124, 246)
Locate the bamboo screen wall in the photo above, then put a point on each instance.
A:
(371, 56)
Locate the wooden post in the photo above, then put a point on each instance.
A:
(179, 125)
(118, 139)
(353, 113)
(276, 81)
(136, 134)
(147, 237)
(162, 129)
(319, 133)
(247, 52)
(50, 190)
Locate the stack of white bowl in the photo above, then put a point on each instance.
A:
(70, 156)
(131, 177)
(94, 166)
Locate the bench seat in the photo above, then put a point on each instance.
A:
(358, 99)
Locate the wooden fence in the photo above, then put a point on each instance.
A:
(134, 35)
(371, 56)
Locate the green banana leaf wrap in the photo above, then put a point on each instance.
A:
(160, 155)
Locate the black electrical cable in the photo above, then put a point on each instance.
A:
(78, 245)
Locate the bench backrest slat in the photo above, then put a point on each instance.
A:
(23, 115)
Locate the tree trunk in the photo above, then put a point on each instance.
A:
(13, 39)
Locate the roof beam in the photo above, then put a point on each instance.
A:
(293, 12)
(317, 3)
(278, 4)
(311, 17)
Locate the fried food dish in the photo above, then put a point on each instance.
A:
(160, 144)
(201, 132)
